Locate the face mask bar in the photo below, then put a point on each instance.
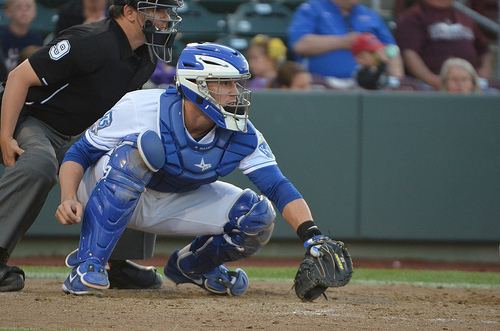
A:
(159, 27)
(234, 106)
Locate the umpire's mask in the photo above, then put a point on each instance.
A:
(160, 21)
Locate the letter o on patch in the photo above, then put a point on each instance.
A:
(59, 50)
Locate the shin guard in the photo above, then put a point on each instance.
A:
(116, 195)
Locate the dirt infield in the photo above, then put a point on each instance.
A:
(265, 306)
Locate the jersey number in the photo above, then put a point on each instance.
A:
(59, 50)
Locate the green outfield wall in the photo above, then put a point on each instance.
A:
(400, 166)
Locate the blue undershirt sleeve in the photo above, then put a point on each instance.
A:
(84, 153)
(271, 182)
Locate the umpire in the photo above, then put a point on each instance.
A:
(55, 95)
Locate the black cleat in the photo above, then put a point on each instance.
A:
(129, 275)
(11, 278)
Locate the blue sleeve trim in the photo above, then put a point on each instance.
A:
(84, 153)
(271, 182)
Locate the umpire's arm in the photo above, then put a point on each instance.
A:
(16, 89)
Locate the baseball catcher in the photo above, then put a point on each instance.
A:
(153, 163)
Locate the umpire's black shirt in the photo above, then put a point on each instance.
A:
(84, 72)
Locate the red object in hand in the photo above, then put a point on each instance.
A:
(366, 42)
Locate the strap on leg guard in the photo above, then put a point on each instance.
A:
(250, 228)
(117, 193)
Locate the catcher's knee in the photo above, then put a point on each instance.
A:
(250, 227)
(251, 223)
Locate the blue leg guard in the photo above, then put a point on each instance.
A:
(112, 203)
(250, 228)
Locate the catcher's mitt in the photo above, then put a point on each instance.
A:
(327, 263)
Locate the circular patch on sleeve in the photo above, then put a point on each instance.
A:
(59, 50)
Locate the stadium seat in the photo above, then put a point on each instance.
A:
(221, 6)
(252, 18)
(198, 24)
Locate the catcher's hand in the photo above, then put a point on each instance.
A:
(327, 263)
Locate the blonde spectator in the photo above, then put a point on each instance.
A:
(264, 56)
(294, 76)
(459, 76)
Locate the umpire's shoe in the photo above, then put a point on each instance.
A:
(11, 278)
(129, 275)
(125, 274)
(220, 280)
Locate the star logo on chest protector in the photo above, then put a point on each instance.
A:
(203, 166)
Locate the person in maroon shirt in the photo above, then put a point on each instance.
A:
(432, 31)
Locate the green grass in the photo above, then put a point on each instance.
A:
(445, 278)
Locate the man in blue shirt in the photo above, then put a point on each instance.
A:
(322, 32)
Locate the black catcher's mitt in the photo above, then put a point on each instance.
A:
(327, 263)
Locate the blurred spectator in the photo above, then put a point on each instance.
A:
(76, 12)
(322, 33)
(459, 76)
(18, 34)
(487, 8)
(371, 58)
(292, 75)
(264, 56)
(432, 31)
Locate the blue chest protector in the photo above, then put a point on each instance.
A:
(190, 164)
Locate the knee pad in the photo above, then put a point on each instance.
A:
(115, 197)
(250, 227)
(251, 222)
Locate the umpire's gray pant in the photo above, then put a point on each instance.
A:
(25, 186)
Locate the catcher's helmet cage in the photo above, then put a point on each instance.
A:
(200, 64)
(160, 23)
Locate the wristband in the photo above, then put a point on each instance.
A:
(307, 230)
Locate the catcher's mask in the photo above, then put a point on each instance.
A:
(213, 77)
(160, 20)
